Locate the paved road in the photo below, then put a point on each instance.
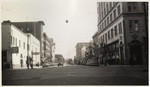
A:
(77, 75)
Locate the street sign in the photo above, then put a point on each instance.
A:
(14, 49)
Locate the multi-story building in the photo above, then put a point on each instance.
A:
(14, 46)
(52, 49)
(46, 47)
(35, 28)
(80, 51)
(123, 27)
(17, 45)
(33, 48)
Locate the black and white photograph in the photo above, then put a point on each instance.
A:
(74, 43)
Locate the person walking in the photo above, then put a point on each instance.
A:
(27, 62)
(31, 62)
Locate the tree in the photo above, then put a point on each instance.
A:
(69, 61)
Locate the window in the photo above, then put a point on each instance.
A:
(107, 7)
(131, 25)
(116, 30)
(16, 41)
(105, 23)
(136, 25)
(102, 26)
(24, 45)
(108, 34)
(28, 47)
(102, 14)
(120, 28)
(19, 43)
(12, 40)
(103, 38)
(129, 8)
(107, 20)
(118, 9)
(106, 37)
(28, 29)
(110, 17)
(114, 3)
(114, 14)
(132, 6)
(135, 6)
(110, 3)
(104, 11)
(98, 28)
(112, 33)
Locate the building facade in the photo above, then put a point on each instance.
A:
(123, 26)
(33, 48)
(52, 49)
(14, 46)
(80, 52)
(46, 48)
(35, 28)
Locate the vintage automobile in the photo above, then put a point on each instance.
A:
(60, 64)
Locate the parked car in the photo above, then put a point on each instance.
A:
(45, 64)
(92, 63)
(60, 64)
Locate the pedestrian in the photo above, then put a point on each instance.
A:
(21, 62)
(31, 62)
(27, 62)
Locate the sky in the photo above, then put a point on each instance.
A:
(81, 14)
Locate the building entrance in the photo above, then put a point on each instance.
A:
(136, 52)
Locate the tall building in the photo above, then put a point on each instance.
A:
(52, 49)
(80, 51)
(46, 48)
(35, 28)
(123, 27)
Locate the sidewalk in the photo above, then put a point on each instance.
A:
(23, 68)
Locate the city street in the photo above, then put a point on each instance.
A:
(77, 75)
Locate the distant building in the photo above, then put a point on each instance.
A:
(14, 46)
(123, 26)
(80, 51)
(35, 28)
(52, 49)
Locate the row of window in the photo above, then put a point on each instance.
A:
(105, 7)
(14, 42)
(132, 6)
(110, 18)
(133, 25)
(111, 33)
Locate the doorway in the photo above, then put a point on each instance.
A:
(136, 52)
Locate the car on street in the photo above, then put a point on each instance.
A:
(60, 64)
